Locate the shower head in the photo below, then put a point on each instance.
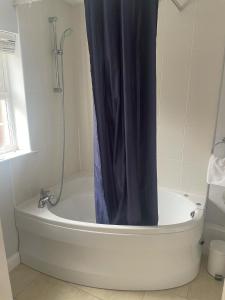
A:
(65, 34)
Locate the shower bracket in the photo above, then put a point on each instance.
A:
(55, 52)
(52, 19)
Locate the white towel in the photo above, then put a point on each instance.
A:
(216, 171)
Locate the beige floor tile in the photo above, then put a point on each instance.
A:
(21, 277)
(205, 287)
(100, 293)
(180, 291)
(112, 294)
(31, 285)
(47, 288)
(160, 296)
(125, 295)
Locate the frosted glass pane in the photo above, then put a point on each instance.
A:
(4, 126)
(3, 74)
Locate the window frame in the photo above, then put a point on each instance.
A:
(13, 146)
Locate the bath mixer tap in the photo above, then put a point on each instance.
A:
(45, 196)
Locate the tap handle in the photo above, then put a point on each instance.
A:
(44, 193)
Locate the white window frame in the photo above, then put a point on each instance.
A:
(9, 108)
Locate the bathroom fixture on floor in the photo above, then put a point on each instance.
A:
(216, 260)
(64, 241)
(46, 196)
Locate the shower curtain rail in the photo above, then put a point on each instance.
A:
(177, 3)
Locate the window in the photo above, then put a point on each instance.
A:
(7, 129)
(14, 131)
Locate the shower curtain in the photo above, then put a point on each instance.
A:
(122, 46)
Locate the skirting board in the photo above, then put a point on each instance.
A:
(212, 232)
(13, 261)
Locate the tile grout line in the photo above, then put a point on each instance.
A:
(79, 288)
(86, 292)
(188, 96)
(144, 295)
(25, 287)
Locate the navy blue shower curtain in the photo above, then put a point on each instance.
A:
(122, 45)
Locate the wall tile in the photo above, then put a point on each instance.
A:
(198, 143)
(189, 74)
(169, 173)
(170, 141)
(26, 172)
(193, 178)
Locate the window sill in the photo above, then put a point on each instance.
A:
(15, 154)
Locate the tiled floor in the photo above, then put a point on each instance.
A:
(28, 284)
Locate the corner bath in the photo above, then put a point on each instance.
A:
(65, 241)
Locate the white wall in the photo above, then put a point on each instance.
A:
(7, 16)
(8, 22)
(5, 286)
(22, 178)
(43, 105)
(216, 201)
(7, 209)
(190, 66)
(83, 87)
(190, 59)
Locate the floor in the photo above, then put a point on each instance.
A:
(28, 284)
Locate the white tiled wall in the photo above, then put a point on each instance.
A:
(215, 215)
(44, 106)
(24, 176)
(190, 57)
(7, 16)
(82, 77)
(216, 201)
(7, 209)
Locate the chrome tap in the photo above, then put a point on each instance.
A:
(45, 196)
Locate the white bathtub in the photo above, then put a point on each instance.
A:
(66, 243)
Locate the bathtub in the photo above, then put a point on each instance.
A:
(65, 241)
